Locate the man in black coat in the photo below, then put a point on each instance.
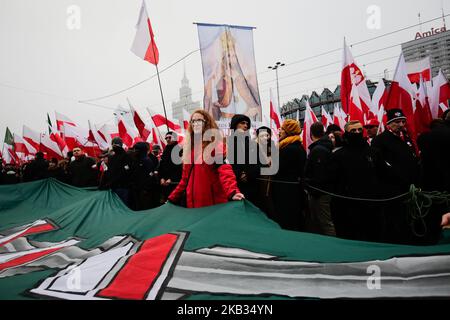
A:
(398, 152)
(117, 176)
(82, 171)
(242, 154)
(142, 180)
(434, 149)
(316, 175)
(36, 169)
(354, 172)
(169, 172)
(401, 170)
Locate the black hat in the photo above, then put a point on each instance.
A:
(264, 128)
(141, 146)
(117, 141)
(394, 114)
(239, 118)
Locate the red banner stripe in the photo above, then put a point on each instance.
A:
(36, 229)
(141, 271)
(27, 258)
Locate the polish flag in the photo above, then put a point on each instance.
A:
(31, 137)
(326, 118)
(380, 95)
(160, 120)
(401, 95)
(144, 45)
(50, 147)
(75, 136)
(310, 118)
(62, 120)
(140, 124)
(351, 76)
(355, 111)
(275, 118)
(22, 146)
(96, 138)
(128, 133)
(79, 137)
(440, 94)
(108, 132)
(339, 117)
(422, 112)
(417, 69)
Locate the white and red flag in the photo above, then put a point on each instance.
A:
(144, 132)
(108, 132)
(62, 120)
(422, 112)
(355, 111)
(339, 117)
(128, 133)
(352, 75)
(50, 147)
(310, 118)
(417, 69)
(32, 137)
(326, 118)
(79, 137)
(55, 136)
(22, 148)
(440, 95)
(275, 117)
(380, 95)
(401, 94)
(144, 45)
(160, 121)
(96, 138)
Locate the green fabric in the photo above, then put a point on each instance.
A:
(96, 216)
(9, 139)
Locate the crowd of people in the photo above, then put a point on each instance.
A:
(350, 183)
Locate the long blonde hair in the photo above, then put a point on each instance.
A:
(210, 124)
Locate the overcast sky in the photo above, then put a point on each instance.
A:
(46, 66)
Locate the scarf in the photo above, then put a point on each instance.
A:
(289, 140)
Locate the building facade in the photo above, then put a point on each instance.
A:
(434, 44)
(295, 109)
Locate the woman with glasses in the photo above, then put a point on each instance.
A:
(207, 178)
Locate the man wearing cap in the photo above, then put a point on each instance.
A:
(401, 169)
(371, 129)
(398, 153)
(117, 176)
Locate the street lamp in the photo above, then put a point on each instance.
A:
(275, 67)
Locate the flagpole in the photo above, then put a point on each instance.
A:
(159, 82)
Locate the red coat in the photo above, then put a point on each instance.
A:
(209, 184)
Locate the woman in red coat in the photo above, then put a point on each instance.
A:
(207, 177)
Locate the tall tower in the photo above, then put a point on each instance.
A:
(185, 100)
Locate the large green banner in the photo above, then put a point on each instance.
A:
(57, 241)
